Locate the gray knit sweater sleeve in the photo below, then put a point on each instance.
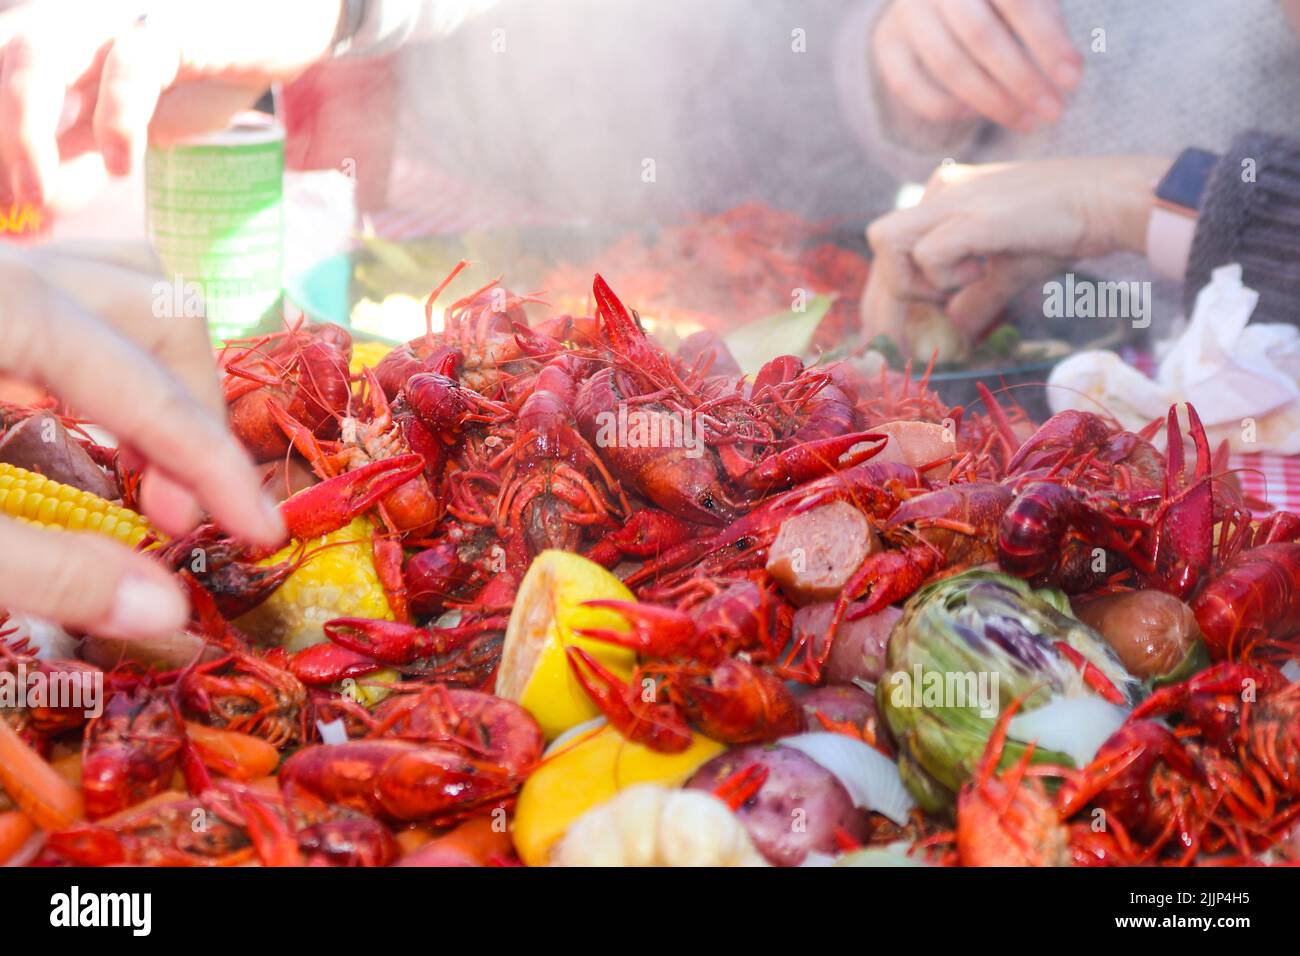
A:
(1250, 214)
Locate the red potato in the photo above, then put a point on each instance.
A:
(41, 444)
(917, 444)
(799, 808)
(858, 651)
(1151, 632)
(841, 704)
(816, 553)
(838, 703)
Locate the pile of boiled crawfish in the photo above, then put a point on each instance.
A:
(475, 447)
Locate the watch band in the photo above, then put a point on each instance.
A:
(1169, 242)
(1176, 204)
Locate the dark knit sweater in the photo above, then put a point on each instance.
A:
(1255, 223)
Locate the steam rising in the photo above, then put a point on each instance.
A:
(625, 112)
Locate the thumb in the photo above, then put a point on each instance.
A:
(87, 582)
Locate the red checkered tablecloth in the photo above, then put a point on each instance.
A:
(453, 207)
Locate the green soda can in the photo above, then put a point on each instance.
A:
(215, 217)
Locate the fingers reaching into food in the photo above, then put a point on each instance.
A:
(983, 233)
(95, 368)
(87, 583)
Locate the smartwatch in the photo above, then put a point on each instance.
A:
(1174, 213)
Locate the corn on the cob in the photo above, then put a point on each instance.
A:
(367, 355)
(33, 498)
(336, 581)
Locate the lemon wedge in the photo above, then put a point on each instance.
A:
(534, 670)
(586, 772)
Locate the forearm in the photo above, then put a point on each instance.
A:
(1250, 214)
(904, 144)
(1117, 195)
(247, 39)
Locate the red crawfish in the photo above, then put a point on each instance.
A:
(484, 327)
(375, 435)
(302, 371)
(1248, 724)
(241, 824)
(1163, 532)
(229, 570)
(818, 432)
(684, 481)
(440, 754)
(131, 751)
(643, 395)
(451, 569)
(426, 353)
(688, 654)
(1007, 817)
(465, 654)
(874, 487)
(73, 687)
(1250, 608)
(553, 483)
(249, 693)
(647, 533)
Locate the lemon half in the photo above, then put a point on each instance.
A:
(534, 670)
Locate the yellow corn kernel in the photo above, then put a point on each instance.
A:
(367, 355)
(37, 500)
(338, 580)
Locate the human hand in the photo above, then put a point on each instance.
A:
(982, 233)
(152, 382)
(1010, 61)
(93, 76)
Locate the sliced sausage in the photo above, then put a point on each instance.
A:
(815, 553)
(916, 444)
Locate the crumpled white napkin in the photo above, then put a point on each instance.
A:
(1244, 380)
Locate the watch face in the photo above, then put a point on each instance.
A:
(1186, 179)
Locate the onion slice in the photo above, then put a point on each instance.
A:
(45, 638)
(870, 777)
(1075, 726)
(334, 732)
(1291, 670)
